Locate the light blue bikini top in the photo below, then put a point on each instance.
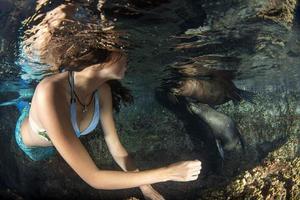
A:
(93, 124)
(96, 116)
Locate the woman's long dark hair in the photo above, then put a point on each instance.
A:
(73, 46)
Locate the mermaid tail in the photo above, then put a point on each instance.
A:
(21, 105)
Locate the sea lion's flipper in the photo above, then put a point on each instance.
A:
(220, 149)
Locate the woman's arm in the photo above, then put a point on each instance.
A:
(119, 153)
(112, 140)
(55, 118)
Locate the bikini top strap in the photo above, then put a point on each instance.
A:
(71, 82)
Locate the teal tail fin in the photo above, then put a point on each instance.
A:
(21, 104)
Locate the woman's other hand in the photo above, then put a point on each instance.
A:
(150, 193)
(184, 171)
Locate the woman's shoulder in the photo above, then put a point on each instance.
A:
(55, 81)
(51, 88)
(47, 85)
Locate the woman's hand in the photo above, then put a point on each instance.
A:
(150, 193)
(184, 170)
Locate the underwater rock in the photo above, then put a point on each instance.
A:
(277, 177)
(231, 37)
(9, 194)
(280, 11)
(256, 36)
(11, 14)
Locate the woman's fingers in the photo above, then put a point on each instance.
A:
(193, 178)
(195, 164)
(157, 196)
(186, 170)
(196, 172)
(196, 169)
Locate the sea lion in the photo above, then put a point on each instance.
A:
(209, 86)
(205, 87)
(198, 78)
(224, 129)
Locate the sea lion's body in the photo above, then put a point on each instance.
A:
(222, 126)
(213, 92)
(209, 86)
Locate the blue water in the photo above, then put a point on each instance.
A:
(275, 74)
(153, 44)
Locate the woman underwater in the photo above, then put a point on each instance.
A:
(69, 104)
